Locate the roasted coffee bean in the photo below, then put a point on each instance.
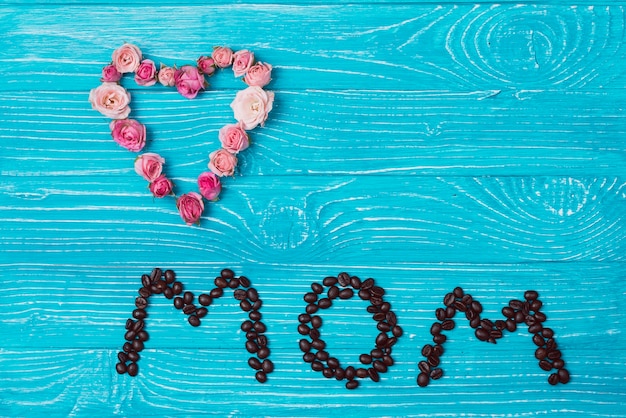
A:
(459, 306)
(530, 320)
(435, 328)
(545, 365)
(511, 325)
(458, 292)
(495, 334)
(322, 355)
(233, 283)
(155, 274)
(127, 347)
(396, 331)
(324, 303)
(361, 372)
(447, 324)
(170, 276)
(352, 384)
(145, 280)
(201, 312)
(328, 372)
(143, 335)
(318, 344)
(304, 318)
(140, 314)
(254, 363)
(516, 304)
(189, 309)
(519, 317)
(383, 326)
(376, 301)
(263, 352)
(467, 299)
(346, 293)
(450, 312)
(194, 321)
(240, 294)
(138, 326)
(317, 288)
(530, 295)
(156, 289)
(436, 373)
(558, 363)
(541, 353)
(536, 305)
(340, 373)
(316, 321)
(227, 274)
(141, 303)
(247, 326)
(121, 368)
(260, 327)
(251, 346)
(427, 350)
(244, 281)
(343, 279)
(329, 281)
(380, 366)
(267, 366)
(486, 323)
(377, 291)
(188, 298)
(373, 374)
(262, 341)
(314, 334)
(438, 350)
(333, 292)
(122, 356)
(130, 335)
(390, 343)
(205, 300)
(245, 305)
(177, 287)
(332, 362)
(216, 292)
(388, 360)
(355, 282)
(303, 329)
(540, 316)
(423, 379)
(132, 369)
(563, 375)
(129, 323)
(310, 297)
(318, 366)
(423, 366)
(168, 293)
(311, 308)
(365, 359)
(439, 339)
(385, 307)
(221, 282)
(475, 322)
(449, 299)
(547, 332)
(550, 344)
(433, 361)
(365, 294)
(500, 324)
(308, 357)
(257, 304)
(251, 335)
(379, 316)
(381, 339)
(482, 334)
(137, 345)
(538, 340)
(377, 353)
(391, 318)
(255, 316)
(508, 312)
(133, 356)
(144, 292)
(553, 379)
(440, 313)
(535, 328)
(350, 372)
(554, 354)
(260, 376)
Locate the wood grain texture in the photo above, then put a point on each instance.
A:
(426, 145)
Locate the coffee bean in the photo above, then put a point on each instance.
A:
(364, 294)
(132, 369)
(340, 373)
(511, 325)
(254, 363)
(168, 293)
(547, 332)
(391, 318)
(459, 306)
(447, 324)
(137, 345)
(251, 346)
(381, 339)
(438, 350)
(482, 334)
(346, 294)
(538, 340)
(367, 284)
(487, 324)
(177, 287)
(155, 274)
(516, 304)
(260, 376)
(333, 292)
(127, 347)
(130, 335)
(373, 374)
(554, 354)
(450, 312)
(361, 372)
(141, 303)
(145, 280)
(436, 373)
(138, 326)
(449, 299)
(545, 365)
(427, 350)
(467, 299)
(475, 322)
(343, 279)
(396, 331)
(318, 344)
(316, 321)
(170, 276)
(563, 376)
(267, 366)
(350, 372)
(500, 324)
(216, 292)
(189, 309)
(423, 379)
(508, 312)
(388, 361)
(440, 313)
(352, 384)
(314, 334)
(133, 356)
(530, 295)
(495, 334)
(255, 316)
(380, 366)
(365, 359)
(143, 335)
(263, 352)
(122, 356)
(519, 317)
(317, 288)
(328, 372)
(458, 292)
(553, 379)
(377, 353)
(332, 362)
(558, 363)
(318, 366)
(144, 292)
(536, 305)
(439, 339)
(188, 298)
(329, 281)
(383, 326)
(227, 274)
(303, 329)
(433, 361)
(260, 327)
(245, 305)
(121, 368)
(244, 281)
(205, 300)
(201, 312)
(423, 366)
(233, 283)
(324, 303)
(355, 282)
(140, 313)
(535, 328)
(194, 321)
(322, 355)
(436, 328)
(541, 353)
(540, 316)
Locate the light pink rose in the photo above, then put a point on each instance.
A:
(149, 166)
(189, 81)
(190, 207)
(242, 60)
(166, 76)
(111, 99)
(259, 74)
(233, 138)
(161, 186)
(110, 74)
(223, 56)
(222, 162)
(209, 185)
(126, 58)
(251, 106)
(146, 73)
(129, 133)
(206, 65)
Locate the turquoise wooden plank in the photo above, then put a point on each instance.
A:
(416, 46)
(369, 132)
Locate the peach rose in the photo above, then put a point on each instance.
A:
(110, 74)
(161, 186)
(209, 185)
(222, 163)
(129, 133)
(206, 65)
(189, 81)
(251, 106)
(233, 138)
(149, 166)
(222, 56)
(146, 73)
(259, 74)
(111, 99)
(126, 58)
(242, 60)
(190, 207)
(166, 76)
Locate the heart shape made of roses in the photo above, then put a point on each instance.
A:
(250, 106)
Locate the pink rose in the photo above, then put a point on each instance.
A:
(210, 185)
(161, 186)
(190, 207)
(234, 138)
(110, 74)
(149, 166)
(258, 75)
(146, 73)
(206, 65)
(251, 106)
(242, 60)
(222, 56)
(189, 81)
(222, 162)
(128, 133)
(126, 58)
(166, 76)
(110, 99)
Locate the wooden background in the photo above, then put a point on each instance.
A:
(425, 144)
